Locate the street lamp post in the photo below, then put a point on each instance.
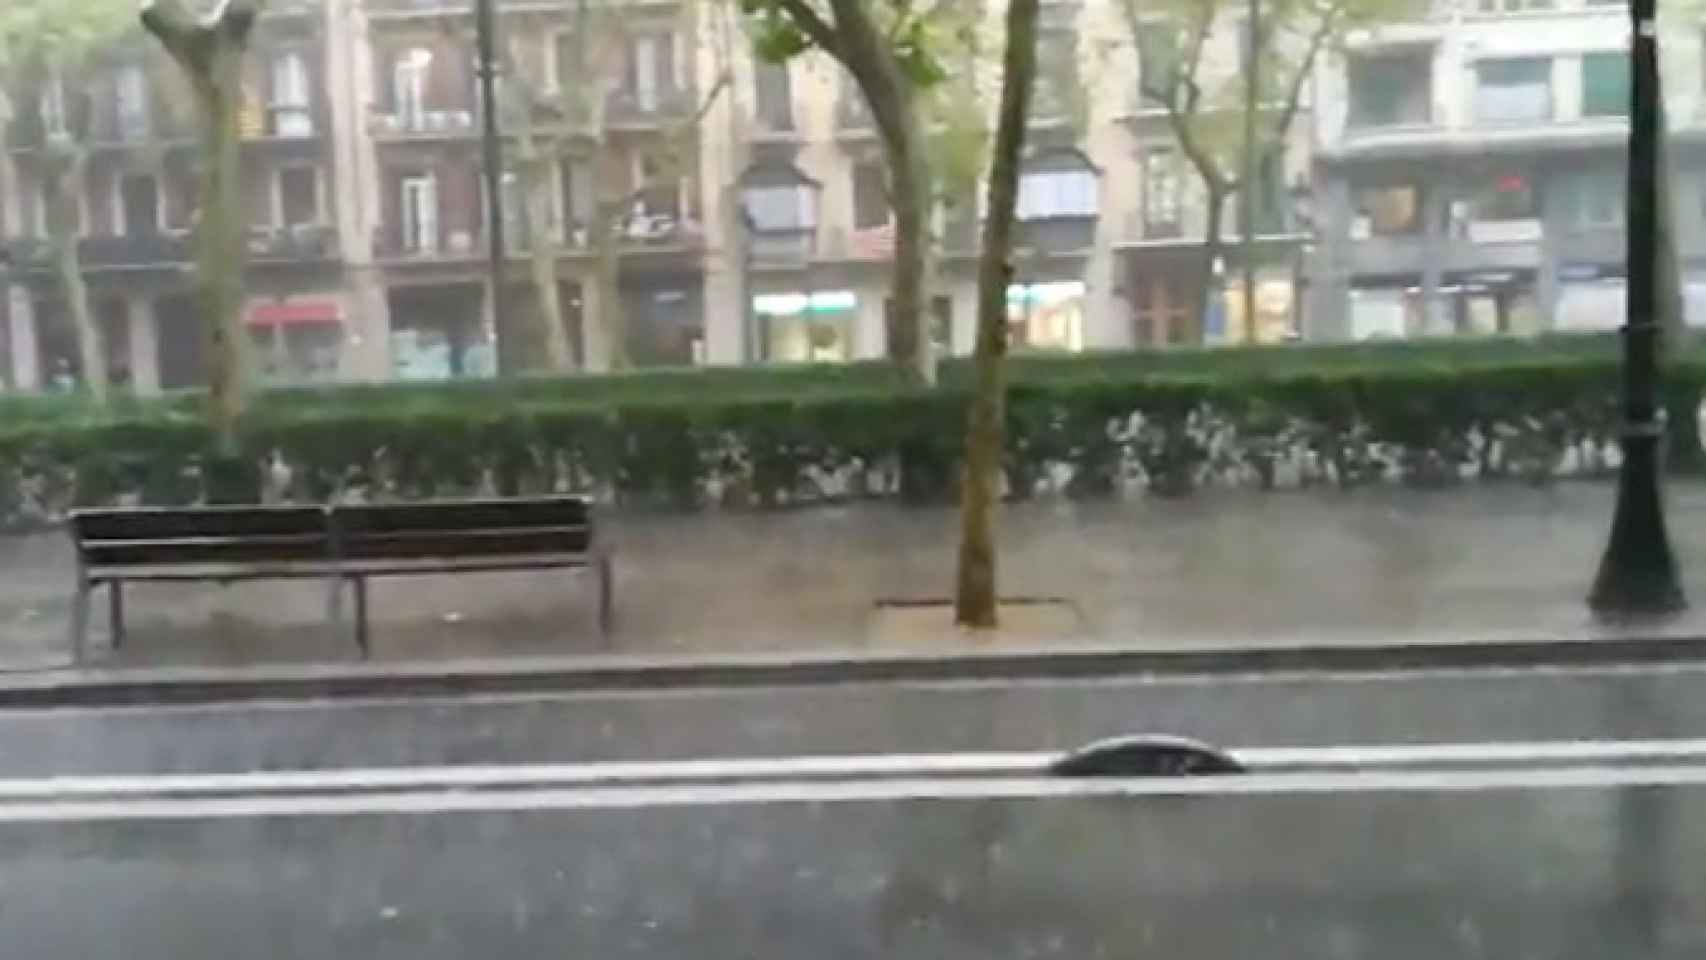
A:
(1637, 575)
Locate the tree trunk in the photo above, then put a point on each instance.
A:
(868, 54)
(975, 596)
(910, 345)
(1211, 252)
(219, 240)
(61, 221)
(210, 51)
(542, 254)
(607, 219)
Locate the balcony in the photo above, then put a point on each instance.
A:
(303, 243)
(135, 251)
(446, 245)
(630, 109)
(407, 125)
(280, 122)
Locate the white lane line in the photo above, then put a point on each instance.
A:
(866, 791)
(1342, 758)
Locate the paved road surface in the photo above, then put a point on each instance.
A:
(1645, 703)
(1381, 869)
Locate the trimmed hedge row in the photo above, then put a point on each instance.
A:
(1097, 424)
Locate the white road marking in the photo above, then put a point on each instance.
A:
(792, 792)
(1343, 760)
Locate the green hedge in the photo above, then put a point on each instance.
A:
(1169, 422)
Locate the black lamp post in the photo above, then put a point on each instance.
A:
(1638, 576)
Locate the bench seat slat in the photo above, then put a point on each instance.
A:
(167, 523)
(320, 568)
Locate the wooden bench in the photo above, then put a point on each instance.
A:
(340, 544)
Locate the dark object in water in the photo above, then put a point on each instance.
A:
(1145, 755)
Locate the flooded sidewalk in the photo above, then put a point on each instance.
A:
(1284, 569)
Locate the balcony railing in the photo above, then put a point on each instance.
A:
(413, 124)
(304, 242)
(394, 243)
(626, 107)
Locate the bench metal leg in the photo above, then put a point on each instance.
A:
(115, 611)
(80, 620)
(606, 598)
(360, 584)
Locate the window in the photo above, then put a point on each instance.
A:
(1509, 196)
(1057, 186)
(420, 214)
(289, 107)
(575, 182)
(1387, 210)
(780, 208)
(1046, 316)
(1596, 199)
(139, 204)
(662, 190)
(1391, 91)
(53, 106)
(132, 102)
(1513, 91)
(1605, 85)
(1057, 75)
(298, 196)
(775, 97)
(408, 86)
(1162, 188)
(807, 327)
(1157, 59)
(651, 69)
(870, 196)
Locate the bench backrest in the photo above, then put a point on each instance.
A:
(238, 535)
(467, 528)
(147, 537)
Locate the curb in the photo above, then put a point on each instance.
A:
(587, 674)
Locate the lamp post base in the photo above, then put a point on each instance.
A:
(1637, 577)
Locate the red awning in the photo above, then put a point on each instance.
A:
(295, 313)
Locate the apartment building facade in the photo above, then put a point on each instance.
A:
(1471, 172)
(753, 224)
(135, 206)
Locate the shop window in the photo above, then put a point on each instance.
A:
(1513, 91)
(1508, 197)
(1605, 84)
(1389, 210)
(806, 328)
(1385, 313)
(1046, 316)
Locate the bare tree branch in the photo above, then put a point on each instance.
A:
(1294, 95)
(814, 26)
